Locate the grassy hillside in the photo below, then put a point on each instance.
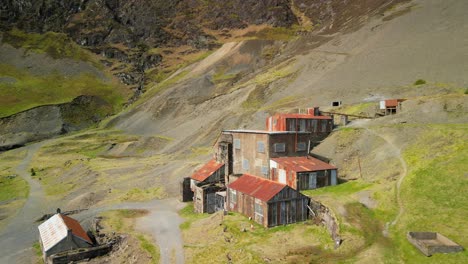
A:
(434, 192)
(56, 45)
(28, 90)
(24, 83)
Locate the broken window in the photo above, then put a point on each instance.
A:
(237, 143)
(302, 125)
(279, 147)
(301, 146)
(324, 125)
(232, 198)
(260, 146)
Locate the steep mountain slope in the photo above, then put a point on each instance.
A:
(380, 60)
(356, 52)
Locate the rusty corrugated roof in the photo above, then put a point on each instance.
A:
(55, 229)
(265, 132)
(257, 187)
(76, 228)
(302, 164)
(391, 103)
(207, 170)
(303, 116)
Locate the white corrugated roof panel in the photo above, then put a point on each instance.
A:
(52, 232)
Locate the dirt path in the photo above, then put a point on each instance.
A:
(162, 223)
(20, 233)
(397, 151)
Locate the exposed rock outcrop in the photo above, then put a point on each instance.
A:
(51, 120)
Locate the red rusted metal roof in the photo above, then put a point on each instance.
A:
(207, 170)
(303, 116)
(391, 103)
(302, 164)
(257, 187)
(76, 228)
(55, 229)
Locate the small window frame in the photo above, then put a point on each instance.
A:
(260, 147)
(237, 143)
(279, 147)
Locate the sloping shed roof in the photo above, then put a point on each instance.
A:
(391, 103)
(303, 116)
(207, 170)
(257, 187)
(55, 229)
(301, 164)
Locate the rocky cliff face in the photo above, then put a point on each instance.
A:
(51, 120)
(154, 22)
(126, 31)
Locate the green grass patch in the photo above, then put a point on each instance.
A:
(56, 45)
(31, 90)
(287, 101)
(434, 191)
(210, 240)
(13, 187)
(149, 247)
(221, 77)
(190, 216)
(274, 33)
(274, 74)
(343, 189)
(38, 252)
(257, 96)
(419, 82)
(357, 109)
(121, 220)
(141, 195)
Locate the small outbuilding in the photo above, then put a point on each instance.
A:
(303, 173)
(211, 172)
(269, 203)
(390, 107)
(204, 184)
(62, 233)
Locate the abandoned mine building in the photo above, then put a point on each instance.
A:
(253, 151)
(268, 202)
(62, 233)
(303, 173)
(260, 173)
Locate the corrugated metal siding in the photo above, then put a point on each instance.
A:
(298, 122)
(287, 206)
(249, 154)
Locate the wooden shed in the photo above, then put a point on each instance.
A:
(269, 203)
(205, 198)
(211, 172)
(303, 173)
(390, 106)
(61, 233)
